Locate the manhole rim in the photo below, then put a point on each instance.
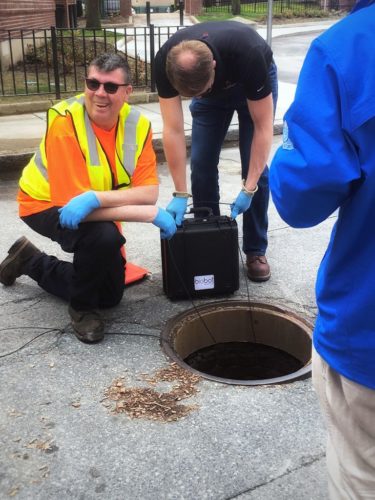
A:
(305, 324)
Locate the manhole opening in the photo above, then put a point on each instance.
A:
(237, 342)
(243, 361)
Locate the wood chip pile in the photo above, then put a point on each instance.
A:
(148, 403)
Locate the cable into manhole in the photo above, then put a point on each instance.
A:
(240, 343)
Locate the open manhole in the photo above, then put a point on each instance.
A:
(238, 342)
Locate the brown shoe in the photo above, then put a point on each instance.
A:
(88, 325)
(18, 254)
(257, 268)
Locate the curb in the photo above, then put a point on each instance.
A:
(15, 162)
(21, 108)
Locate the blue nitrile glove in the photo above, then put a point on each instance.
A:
(241, 204)
(77, 209)
(166, 223)
(177, 208)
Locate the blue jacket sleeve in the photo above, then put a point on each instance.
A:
(312, 173)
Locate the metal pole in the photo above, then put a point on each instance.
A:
(148, 13)
(152, 57)
(55, 62)
(181, 9)
(269, 22)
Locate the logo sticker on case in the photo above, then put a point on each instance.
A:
(206, 282)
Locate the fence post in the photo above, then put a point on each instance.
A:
(55, 62)
(148, 13)
(269, 22)
(152, 57)
(181, 9)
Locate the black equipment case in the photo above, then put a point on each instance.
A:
(202, 258)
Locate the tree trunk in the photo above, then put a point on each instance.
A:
(93, 14)
(236, 7)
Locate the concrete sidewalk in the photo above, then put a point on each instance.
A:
(20, 134)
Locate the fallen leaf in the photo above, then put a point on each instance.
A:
(14, 491)
(40, 445)
(15, 413)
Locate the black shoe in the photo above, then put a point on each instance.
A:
(88, 325)
(18, 254)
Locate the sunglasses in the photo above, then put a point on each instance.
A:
(109, 87)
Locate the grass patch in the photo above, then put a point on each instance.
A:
(224, 16)
(87, 33)
(257, 12)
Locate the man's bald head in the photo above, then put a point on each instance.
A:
(190, 67)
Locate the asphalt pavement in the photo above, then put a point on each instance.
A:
(60, 435)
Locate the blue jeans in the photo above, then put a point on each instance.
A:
(211, 120)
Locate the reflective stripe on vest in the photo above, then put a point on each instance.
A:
(131, 135)
(40, 164)
(91, 142)
(129, 147)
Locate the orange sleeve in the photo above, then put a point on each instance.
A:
(67, 171)
(145, 173)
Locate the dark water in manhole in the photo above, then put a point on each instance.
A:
(243, 361)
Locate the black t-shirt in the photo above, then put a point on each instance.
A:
(241, 55)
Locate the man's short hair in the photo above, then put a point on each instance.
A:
(189, 79)
(110, 61)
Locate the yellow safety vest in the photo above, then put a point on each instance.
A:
(132, 132)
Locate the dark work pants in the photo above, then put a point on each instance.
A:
(96, 277)
(211, 119)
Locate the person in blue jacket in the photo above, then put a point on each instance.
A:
(327, 163)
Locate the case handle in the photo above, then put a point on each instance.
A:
(206, 211)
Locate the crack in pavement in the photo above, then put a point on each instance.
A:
(286, 473)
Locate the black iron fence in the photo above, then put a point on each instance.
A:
(292, 7)
(55, 61)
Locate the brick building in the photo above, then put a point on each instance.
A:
(193, 7)
(30, 15)
(35, 14)
(25, 14)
